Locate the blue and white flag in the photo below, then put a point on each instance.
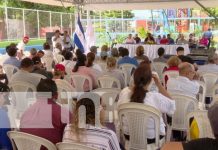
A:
(79, 36)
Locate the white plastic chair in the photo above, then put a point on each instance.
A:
(65, 92)
(58, 58)
(96, 99)
(103, 66)
(48, 61)
(24, 141)
(215, 94)
(137, 116)
(108, 82)
(201, 94)
(22, 94)
(202, 122)
(9, 70)
(159, 67)
(169, 74)
(38, 76)
(184, 105)
(79, 80)
(73, 146)
(128, 69)
(210, 80)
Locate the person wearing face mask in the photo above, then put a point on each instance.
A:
(59, 72)
(45, 118)
(5, 143)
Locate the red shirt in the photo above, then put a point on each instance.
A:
(45, 119)
(164, 41)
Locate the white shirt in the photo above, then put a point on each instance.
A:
(25, 76)
(183, 85)
(21, 46)
(69, 65)
(154, 99)
(58, 40)
(208, 68)
(68, 40)
(97, 67)
(130, 41)
(48, 53)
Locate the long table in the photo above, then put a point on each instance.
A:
(151, 50)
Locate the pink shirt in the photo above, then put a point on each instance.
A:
(83, 70)
(45, 119)
(204, 41)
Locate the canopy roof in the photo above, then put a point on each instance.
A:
(131, 4)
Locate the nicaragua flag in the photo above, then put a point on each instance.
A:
(79, 36)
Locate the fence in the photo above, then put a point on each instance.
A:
(16, 22)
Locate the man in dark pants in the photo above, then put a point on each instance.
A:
(208, 34)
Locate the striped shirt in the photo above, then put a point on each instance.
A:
(100, 138)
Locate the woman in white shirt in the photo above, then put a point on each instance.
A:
(97, 137)
(139, 93)
(90, 62)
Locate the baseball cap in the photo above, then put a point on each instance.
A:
(213, 115)
(26, 38)
(60, 67)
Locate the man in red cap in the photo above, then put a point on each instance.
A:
(21, 46)
(59, 71)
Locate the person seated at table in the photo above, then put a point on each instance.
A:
(180, 51)
(12, 53)
(157, 41)
(192, 41)
(149, 39)
(130, 40)
(203, 42)
(126, 59)
(201, 143)
(5, 126)
(172, 63)
(137, 39)
(91, 135)
(113, 71)
(161, 52)
(33, 53)
(80, 68)
(140, 54)
(171, 40)
(39, 68)
(164, 40)
(182, 40)
(140, 93)
(178, 37)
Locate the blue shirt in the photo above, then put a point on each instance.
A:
(171, 41)
(5, 143)
(127, 60)
(12, 61)
(208, 34)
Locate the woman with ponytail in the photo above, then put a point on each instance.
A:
(140, 93)
(91, 64)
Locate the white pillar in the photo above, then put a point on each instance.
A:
(61, 22)
(50, 20)
(38, 24)
(6, 19)
(24, 26)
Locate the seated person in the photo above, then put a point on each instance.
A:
(97, 137)
(68, 62)
(130, 40)
(137, 39)
(140, 93)
(158, 39)
(192, 41)
(203, 42)
(212, 65)
(171, 40)
(186, 83)
(40, 53)
(47, 50)
(39, 68)
(140, 54)
(182, 40)
(202, 143)
(115, 53)
(80, 68)
(149, 39)
(57, 48)
(164, 40)
(189, 60)
(161, 58)
(180, 51)
(45, 118)
(24, 74)
(12, 53)
(126, 59)
(90, 63)
(33, 53)
(5, 143)
(59, 72)
(113, 71)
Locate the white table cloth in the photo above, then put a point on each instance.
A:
(151, 50)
